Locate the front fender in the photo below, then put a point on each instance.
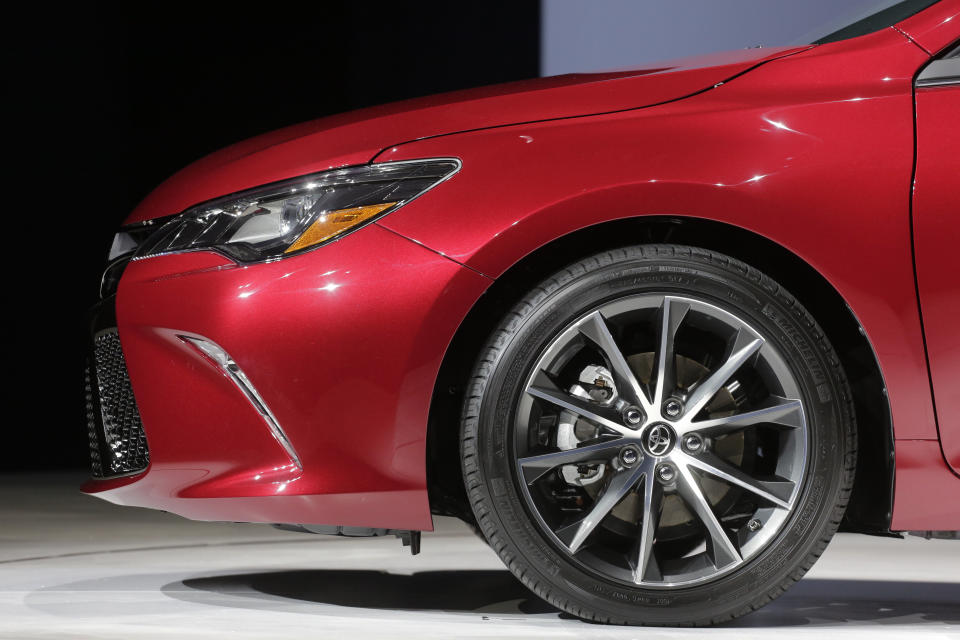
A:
(813, 152)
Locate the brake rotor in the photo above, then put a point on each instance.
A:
(675, 519)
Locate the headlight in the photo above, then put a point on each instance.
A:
(286, 217)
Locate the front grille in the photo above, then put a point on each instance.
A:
(118, 445)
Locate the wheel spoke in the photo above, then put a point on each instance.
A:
(646, 565)
(719, 546)
(776, 491)
(534, 467)
(777, 410)
(543, 388)
(574, 535)
(745, 347)
(594, 327)
(672, 312)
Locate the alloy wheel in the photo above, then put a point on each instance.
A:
(660, 441)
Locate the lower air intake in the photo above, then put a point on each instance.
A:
(118, 445)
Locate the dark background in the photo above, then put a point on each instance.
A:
(103, 104)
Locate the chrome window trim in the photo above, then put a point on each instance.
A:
(940, 73)
(945, 70)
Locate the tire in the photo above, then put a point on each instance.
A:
(552, 530)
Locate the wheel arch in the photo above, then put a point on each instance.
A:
(871, 502)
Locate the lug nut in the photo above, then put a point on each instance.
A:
(692, 443)
(633, 416)
(672, 408)
(629, 456)
(666, 473)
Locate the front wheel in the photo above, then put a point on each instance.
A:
(658, 435)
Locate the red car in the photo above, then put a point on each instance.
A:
(656, 334)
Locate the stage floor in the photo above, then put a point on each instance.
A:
(72, 566)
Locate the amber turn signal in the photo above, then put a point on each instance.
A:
(335, 222)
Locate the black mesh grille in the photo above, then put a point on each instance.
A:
(93, 428)
(118, 444)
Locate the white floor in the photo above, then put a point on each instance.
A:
(76, 567)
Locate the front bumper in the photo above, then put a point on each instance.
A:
(343, 344)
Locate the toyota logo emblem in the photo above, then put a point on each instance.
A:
(659, 439)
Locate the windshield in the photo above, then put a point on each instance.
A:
(628, 34)
(859, 17)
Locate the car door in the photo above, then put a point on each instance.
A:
(936, 229)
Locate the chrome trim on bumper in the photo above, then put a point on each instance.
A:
(219, 357)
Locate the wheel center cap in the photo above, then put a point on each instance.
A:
(658, 439)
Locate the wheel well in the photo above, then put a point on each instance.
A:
(870, 505)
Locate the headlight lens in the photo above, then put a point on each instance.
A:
(287, 217)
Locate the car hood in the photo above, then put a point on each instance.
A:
(357, 137)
